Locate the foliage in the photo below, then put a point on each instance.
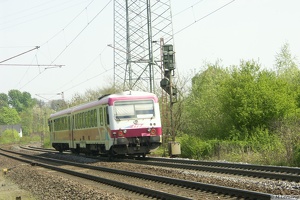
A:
(288, 131)
(244, 113)
(258, 150)
(253, 98)
(27, 121)
(57, 105)
(9, 116)
(286, 63)
(29, 139)
(194, 147)
(47, 143)
(20, 100)
(3, 100)
(203, 116)
(9, 136)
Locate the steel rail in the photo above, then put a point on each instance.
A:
(260, 174)
(227, 168)
(283, 169)
(173, 181)
(269, 168)
(126, 186)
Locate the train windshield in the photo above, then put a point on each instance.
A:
(133, 109)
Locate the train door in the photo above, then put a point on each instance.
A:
(108, 139)
(72, 123)
(50, 123)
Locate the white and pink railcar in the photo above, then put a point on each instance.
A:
(118, 124)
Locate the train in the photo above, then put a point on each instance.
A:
(125, 124)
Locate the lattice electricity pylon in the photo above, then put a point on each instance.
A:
(139, 26)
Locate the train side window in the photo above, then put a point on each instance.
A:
(106, 115)
(69, 123)
(90, 118)
(87, 119)
(101, 116)
(76, 121)
(81, 120)
(95, 118)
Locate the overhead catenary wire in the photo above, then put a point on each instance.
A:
(89, 79)
(205, 16)
(41, 72)
(65, 27)
(80, 73)
(88, 22)
(80, 32)
(25, 20)
(47, 66)
(196, 20)
(192, 6)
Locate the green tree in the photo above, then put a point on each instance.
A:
(203, 114)
(20, 101)
(286, 63)
(253, 98)
(3, 100)
(57, 105)
(9, 116)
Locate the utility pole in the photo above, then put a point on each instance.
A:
(138, 25)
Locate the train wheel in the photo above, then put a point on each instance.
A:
(111, 155)
(75, 151)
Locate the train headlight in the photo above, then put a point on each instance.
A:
(153, 132)
(120, 133)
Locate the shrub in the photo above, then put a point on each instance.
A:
(9, 136)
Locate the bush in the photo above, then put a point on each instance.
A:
(9, 136)
(194, 147)
(29, 139)
(261, 148)
(297, 157)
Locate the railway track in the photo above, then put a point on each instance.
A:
(179, 184)
(260, 171)
(277, 173)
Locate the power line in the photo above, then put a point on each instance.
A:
(204, 17)
(69, 23)
(80, 73)
(81, 31)
(188, 8)
(23, 18)
(89, 79)
(71, 40)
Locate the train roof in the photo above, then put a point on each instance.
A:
(107, 99)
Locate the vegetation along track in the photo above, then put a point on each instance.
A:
(183, 184)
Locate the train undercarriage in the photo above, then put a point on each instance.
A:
(139, 146)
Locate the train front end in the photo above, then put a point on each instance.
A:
(135, 123)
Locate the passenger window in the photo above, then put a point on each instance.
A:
(101, 116)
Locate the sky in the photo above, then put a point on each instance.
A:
(73, 38)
